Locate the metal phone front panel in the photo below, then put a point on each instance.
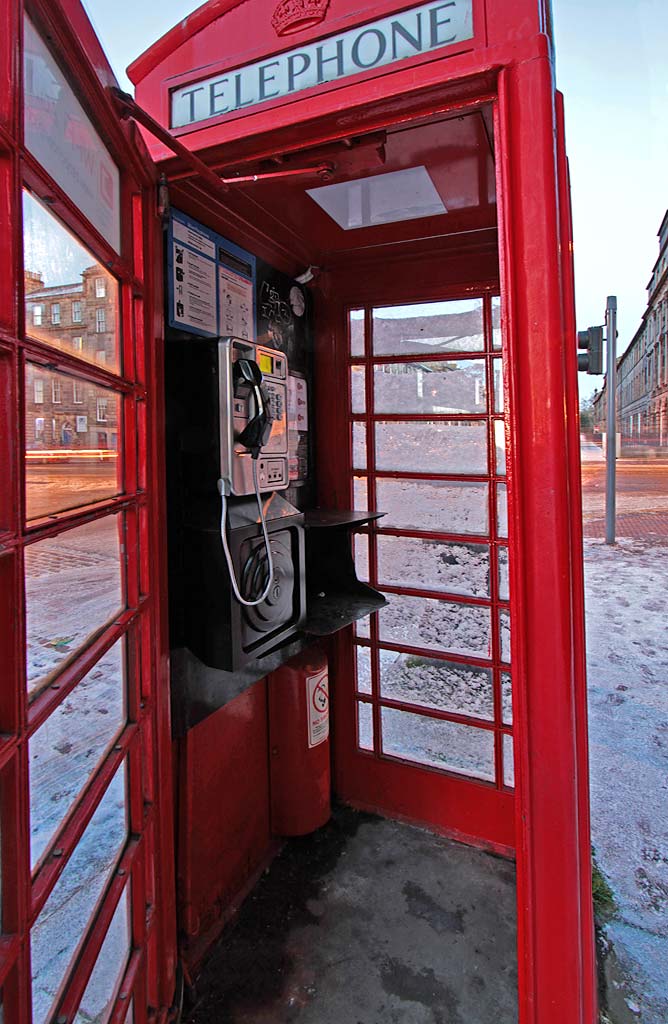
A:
(236, 464)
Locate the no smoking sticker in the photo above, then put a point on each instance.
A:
(317, 708)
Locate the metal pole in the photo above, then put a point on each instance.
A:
(611, 440)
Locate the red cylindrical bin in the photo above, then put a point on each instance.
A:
(299, 745)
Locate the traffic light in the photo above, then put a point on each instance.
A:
(591, 361)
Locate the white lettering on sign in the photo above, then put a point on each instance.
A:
(59, 134)
(391, 39)
(317, 707)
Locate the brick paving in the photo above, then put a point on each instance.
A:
(652, 526)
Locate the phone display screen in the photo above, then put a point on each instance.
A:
(266, 363)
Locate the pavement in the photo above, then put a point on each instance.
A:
(627, 660)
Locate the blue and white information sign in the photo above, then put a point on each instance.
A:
(210, 282)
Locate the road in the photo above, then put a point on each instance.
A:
(642, 495)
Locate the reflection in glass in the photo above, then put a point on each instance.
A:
(436, 625)
(438, 505)
(432, 447)
(453, 387)
(504, 584)
(506, 698)
(73, 588)
(498, 386)
(72, 430)
(356, 321)
(105, 981)
(508, 761)
(429, 327)
(359, 446)
(448, 745)
(66, 914)
(504, 631)
(361, 549)
(363, 662)
(496, 322)
(71, 300)
(364, 726)
(65, 752)
(433, 565)
(358, 389)
(444, 685)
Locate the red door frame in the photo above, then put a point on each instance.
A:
(147, 860)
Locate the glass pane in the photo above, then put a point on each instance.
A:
(433, 565)
(71, 300)
(363, 660)
(450, 387)
(67, 749)
(105, 981)
(61, 136)
(506, 698)
(73, 588)
(358, 388)
(500, 442)
(432, 447)
(64, 919)
(359, 446)
(456, 748)
(496, 322)
(429, 327)
(361, 547)
(436, 625)
(502, 510)
(356, 332)
(445, 507)
(72, 430)
(504, 584)
(360, 494)
(504, 631)
(364, 726)
(362, 627)
(508, 761)
(498, 386)
(444, 685)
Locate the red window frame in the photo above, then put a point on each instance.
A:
(492, 540)
(146, 862)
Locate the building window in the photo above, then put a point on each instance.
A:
(39, 392)
(39, 428)
(55, 313)
(56, 392)
(76, 312)
(78, 392)
(77, 343)
(101, 356)
(100, 320)
(100, 287)
(102, 410)
(37, 314)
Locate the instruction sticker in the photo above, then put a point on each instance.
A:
(317, 705)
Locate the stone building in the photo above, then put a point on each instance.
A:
(64, 412)
(642, 371)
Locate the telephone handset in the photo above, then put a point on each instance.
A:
(251, 375)
(256, 433)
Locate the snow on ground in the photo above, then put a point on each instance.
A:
(627, 640)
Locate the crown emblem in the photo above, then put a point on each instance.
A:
(295, 15)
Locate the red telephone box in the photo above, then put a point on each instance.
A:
(408, 165)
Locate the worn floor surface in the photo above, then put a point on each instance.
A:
(369, 921)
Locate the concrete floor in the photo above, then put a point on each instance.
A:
(369, 921)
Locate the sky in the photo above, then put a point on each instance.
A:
(612, 66)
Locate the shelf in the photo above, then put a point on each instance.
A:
(333, 611)
(318, 518)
